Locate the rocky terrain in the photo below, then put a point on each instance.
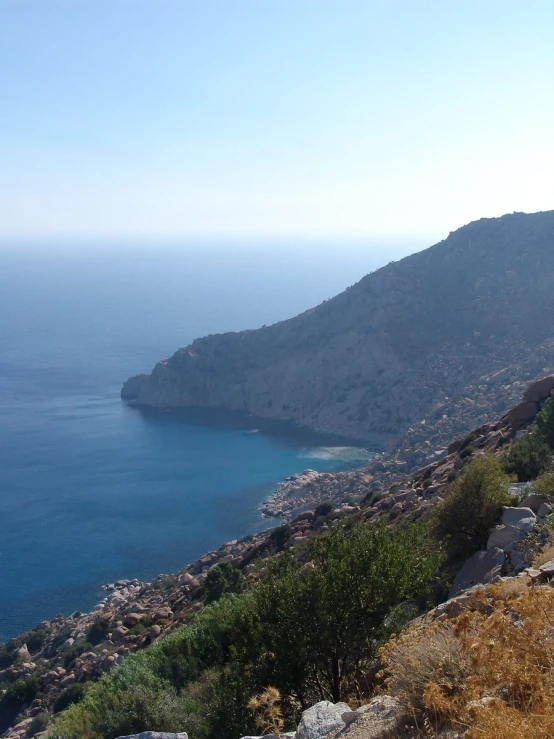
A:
(72, 650)
(409, 357)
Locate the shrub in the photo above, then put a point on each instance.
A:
(221, 579)
(73, 694)
(472, 506)
(466, 452)
(18, 694)
(527, 458)
(545, 422)
(35, 639)
(279, 536)
(323, 509)
(6, 658)
(544, 484)
(98, 631)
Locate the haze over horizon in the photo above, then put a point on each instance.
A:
(263, 120)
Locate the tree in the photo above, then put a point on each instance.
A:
(223, 578)
(545, 421)
(528, 457)
(472, 506)
(322, 621)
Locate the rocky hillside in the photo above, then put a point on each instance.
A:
(50, 663)
(429, 346)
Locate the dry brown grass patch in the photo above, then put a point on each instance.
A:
(444, 671)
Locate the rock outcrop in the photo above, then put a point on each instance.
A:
(421, 350)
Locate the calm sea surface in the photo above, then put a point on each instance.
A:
(92, 491)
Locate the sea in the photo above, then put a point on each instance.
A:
(91, 490)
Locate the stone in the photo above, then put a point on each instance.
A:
(68, 680)
(119, 633)
(522, 414)
(547, 569)
(533, 501)
(321, 719)
(520, 518)
(382, 718)
(23, 653)
(544, 510)
(539, 390)
(132, 619)
(155, 735)
(480, 569)
(505, 538)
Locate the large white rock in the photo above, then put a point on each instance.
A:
(155, 735)
(479, 569)
(382, 718)
(521, 518)
(505, 537)
(321, 719)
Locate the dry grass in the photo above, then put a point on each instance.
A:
(545, 556)
(491, 674)
(266, 707)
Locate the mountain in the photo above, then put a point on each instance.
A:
(454, 331)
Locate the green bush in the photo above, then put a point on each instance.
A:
(472, 506)
(323, 509)
(527, 457)
(466, 452)
(279, 536)
(545, 422)
(221, 579)
(73, 694)
(98, 631)
(18, 694)
(6, 658)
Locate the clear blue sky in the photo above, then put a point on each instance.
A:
(179, 118)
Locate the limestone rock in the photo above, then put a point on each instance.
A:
(481, 568)
(505, 538)
(321, 719)
(155, 735)
(520, 518)
(382, 718)
(540, 390)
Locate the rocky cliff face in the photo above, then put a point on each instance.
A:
(443, 333)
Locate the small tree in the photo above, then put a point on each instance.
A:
(472, 505)
(528, 457)
(322, 622)
(221, 579)
(545, 422)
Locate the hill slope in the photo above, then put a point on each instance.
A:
(419, 339)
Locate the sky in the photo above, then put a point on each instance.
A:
(272, 118)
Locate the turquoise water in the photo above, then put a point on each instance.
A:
(91, 490)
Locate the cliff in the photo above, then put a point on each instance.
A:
(442, 340)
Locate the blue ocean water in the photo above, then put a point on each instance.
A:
(91, 490)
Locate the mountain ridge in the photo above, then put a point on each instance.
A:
(382, 355)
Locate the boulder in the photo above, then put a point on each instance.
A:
(480, 569)
(155, 735)
(321, 719)
(23, 653)
(505, 538)
(544, 510)
(382, 718)
(520, 518)
(547, 569)
(539, 390)
(522, 414)
(119, 633)
(533, 501)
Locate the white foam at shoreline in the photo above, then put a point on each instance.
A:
(338, 453)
